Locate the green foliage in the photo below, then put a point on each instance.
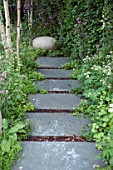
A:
(103, 168)
(43, 91)
(97, 88)
(84, 30)
(34, 75)
(81, 31)
(10, 147)
(86, 36)
(77, 90)
(14, 89)
(46, 20)
(69, 65)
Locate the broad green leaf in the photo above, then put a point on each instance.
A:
(16, 128)
(106, 119)
(22, 131)
(18, 146)
(5, 145)
(13, 130)
(13, 136)
(20, 126)
(5, 124)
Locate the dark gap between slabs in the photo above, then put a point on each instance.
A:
(51, 111)
(58, 92)
(57, 78)
(63, 138)
(49, 68)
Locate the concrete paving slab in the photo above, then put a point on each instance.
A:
(58, 156)
(57, 124)
(54, 101)
(55, 73)
(57, 85)
(52, 62)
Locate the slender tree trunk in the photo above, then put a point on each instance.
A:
(7, 18)
(28, 13)
(0, 122)
(3, 36)
(11, 17)
(18, 33)
(31, 14)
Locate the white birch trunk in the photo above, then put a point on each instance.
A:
(28, 13)
(0, 122)
(3, 36)
(7, 18)
(31, 14)
(18, 33)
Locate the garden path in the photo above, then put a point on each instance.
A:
(55, 143)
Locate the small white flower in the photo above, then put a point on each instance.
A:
(109, 86)
(110, 110)
(103, 26)
(108, 56)
(111, 105)
(109, 73)
(111, 52)
(95, 166)
(87, 76)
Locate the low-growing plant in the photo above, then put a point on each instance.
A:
(10, 147)
(43, 91)
(69, 65)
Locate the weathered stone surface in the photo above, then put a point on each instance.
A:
(52, 62)
(54, 101)
(44, 42)
(55, 73)
(57, 124)
(58, 156)
(57, 85)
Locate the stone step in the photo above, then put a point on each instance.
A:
(57, 85)
(57, 124)
(50, 62)
(55, 73)
(58, 156)
(54, 101)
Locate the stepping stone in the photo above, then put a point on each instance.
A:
(57, 85)
(58, 156)
(52, 62)
(57, 124)
(54, 101)
(55, 73)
